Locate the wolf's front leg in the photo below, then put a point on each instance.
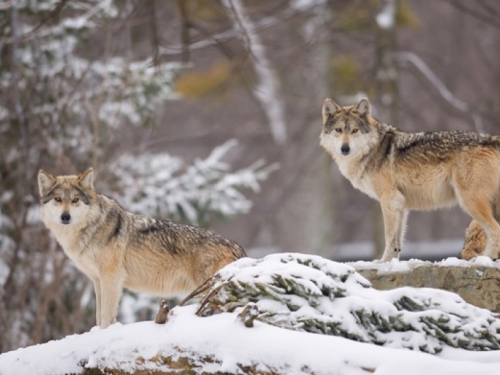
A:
(393, 211)
(111, 290)
(97, 290)
(402, 229)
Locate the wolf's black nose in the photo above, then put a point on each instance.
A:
(345, 149)
(65, 217)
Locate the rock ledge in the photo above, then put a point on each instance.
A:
(477, 281)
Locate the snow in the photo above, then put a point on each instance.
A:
(406, 266)
(313, 294)
(224, 338)
(163, 185)
(112, 90)
(387, 15)
(393, 266)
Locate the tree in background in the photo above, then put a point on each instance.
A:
(161, 185)
(63, 107)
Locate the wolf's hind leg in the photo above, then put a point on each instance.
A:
(482, 212)
(476, 181)
(475, 241)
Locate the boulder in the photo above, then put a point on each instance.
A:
(476, 281)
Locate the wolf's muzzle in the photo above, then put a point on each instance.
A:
(65, 218)
(345, 149)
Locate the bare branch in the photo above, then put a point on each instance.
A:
(54, 13)
(259, 25)
(422, 67)
(154, 31)
(472, 11)
(185, 36)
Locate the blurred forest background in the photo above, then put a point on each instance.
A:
(208, 112)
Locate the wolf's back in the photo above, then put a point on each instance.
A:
(179, 239)
(161, 237)
(179, 248)
(445, 141)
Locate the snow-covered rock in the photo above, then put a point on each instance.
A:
(476, 281)
(312, 294)
(298, 292)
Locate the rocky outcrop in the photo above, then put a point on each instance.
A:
(477, 282)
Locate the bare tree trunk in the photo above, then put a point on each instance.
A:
(386, 103)
(318, 184)
(308, 206)
(267, 90)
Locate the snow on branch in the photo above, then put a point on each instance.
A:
(313, 294)
(163, 186)
(267, 88)
(71, 89)
(387, 16)
(417, 62)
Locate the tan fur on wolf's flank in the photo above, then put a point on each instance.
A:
(416, 171)
(118, 249)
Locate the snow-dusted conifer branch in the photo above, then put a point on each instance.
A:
(163, 186)
(116, 89)
(312, 294)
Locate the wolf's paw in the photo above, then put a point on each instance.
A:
(379, 261)
(389, 255)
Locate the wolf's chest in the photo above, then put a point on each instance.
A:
(83, 258)
(358, 177)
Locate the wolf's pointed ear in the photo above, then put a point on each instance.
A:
(86, 179)
(329, 109)
(363, 107)
(45, 182)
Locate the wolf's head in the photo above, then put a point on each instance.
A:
(65, 200)
(346, 130)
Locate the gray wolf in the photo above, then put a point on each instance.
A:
(416, 171)
(117, 249)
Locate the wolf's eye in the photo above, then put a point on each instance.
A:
(75, 200)
(58, 200)
(354, 131)
(338, 130)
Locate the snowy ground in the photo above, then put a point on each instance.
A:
(406, 266)
(225, 337)
(222, 343)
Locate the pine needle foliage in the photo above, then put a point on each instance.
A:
(312, 294)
